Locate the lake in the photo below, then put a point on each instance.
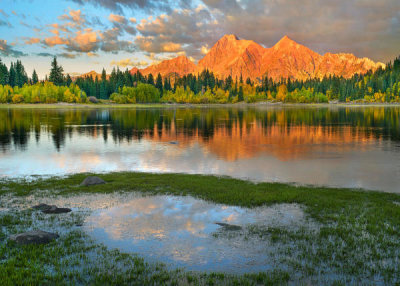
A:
(343, 146)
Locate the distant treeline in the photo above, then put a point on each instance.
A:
(383, 85)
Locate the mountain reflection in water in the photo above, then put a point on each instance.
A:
(337, 146)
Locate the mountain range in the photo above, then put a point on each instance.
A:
(286, 59)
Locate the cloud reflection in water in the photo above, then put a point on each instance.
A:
(179, 231)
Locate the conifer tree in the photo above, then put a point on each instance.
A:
(150, 79)
(56, 73)
(68, 80)
(35, 78)
(4, 75)
(159, 83)
(240, 94)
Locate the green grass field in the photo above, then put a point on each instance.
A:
(356, 242)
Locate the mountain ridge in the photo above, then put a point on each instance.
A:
(237, 57)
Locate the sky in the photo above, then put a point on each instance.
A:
(90, 35)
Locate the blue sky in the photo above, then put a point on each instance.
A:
(91, 34)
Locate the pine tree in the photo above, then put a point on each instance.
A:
(35, 78)
(103, 85)
(159, 83)
(240, 94)
(103, 75)
(12, 75)
(4, 75)
(20, 75)
(150, 79)
(56, 73)
(68, 80)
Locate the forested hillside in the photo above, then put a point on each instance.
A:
(382, 85)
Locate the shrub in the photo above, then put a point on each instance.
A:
(17, 98)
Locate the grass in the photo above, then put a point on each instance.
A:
(356, 240)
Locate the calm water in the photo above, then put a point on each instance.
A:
(182, 232)
(335, 146)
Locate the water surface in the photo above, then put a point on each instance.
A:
(182, 232)
(335, 146)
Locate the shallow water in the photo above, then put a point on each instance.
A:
(336, 146)
(182, 232)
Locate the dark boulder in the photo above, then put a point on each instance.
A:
(51, 209)
(92, 180)
(56, 210)
(42, 207)
(34, 237)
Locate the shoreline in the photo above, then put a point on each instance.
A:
(353, 227)
(189, 105)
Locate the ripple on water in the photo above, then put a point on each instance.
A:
(182, 232)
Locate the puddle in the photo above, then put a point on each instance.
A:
(182, 232)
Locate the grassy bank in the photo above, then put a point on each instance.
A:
(177, 105)
(356, 241)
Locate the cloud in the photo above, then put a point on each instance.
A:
(182, 30)
(122, 24)
(55, 40)
(61, 55)
(67, 55)
(7, 50)
(4, 13)
(75, 18)
(30, 41)
(147, 5)
(117, 18)
(84, 41)
(74, 35)
(204, 49)
(90, 54)
(151, 45)
(5, 23)
(129, 62)
(44, 55)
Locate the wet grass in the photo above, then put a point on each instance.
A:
(355, 241)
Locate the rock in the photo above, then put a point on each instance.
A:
(35, 236)
(92, 180)
(51, 209)
(42, 207)
(227, 226)
(56, 210)
(93, 99)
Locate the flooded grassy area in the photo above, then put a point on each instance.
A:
(306, 235)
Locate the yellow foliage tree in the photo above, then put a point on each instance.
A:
(282, 93)
(17, 98)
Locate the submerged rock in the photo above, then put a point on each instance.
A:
(227, 226)
(51, 209)
(92, 180)
(35, 236)
(56, 210)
